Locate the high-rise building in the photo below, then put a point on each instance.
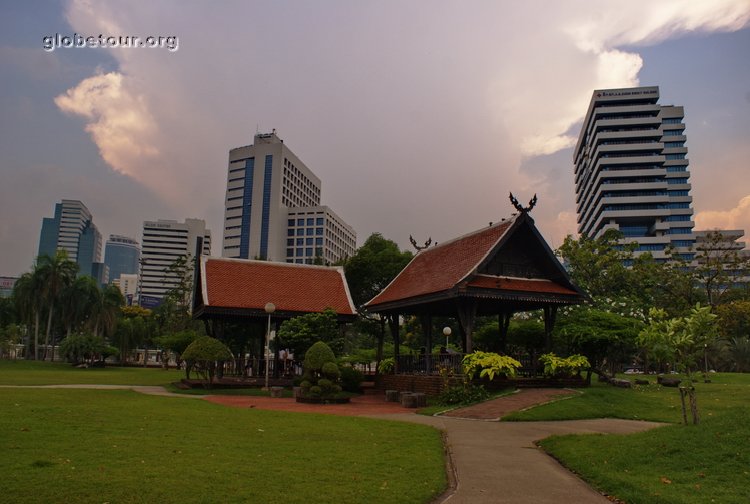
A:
(72, 229)
(121, 255)
(128, 285)
(631, 172)
(164, 243)
(270, 192)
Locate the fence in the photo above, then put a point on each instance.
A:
(430, 364)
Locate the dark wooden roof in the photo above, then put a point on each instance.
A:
(241, 288)
(508, 262)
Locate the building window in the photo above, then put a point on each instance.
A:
(300, 231)
(290, 232)
(318, 241)
(290, 242)
(300, 222)
(310, 221)
(319, 221)
(310, 231)
(299, 252)
(319, 231)
(308, 241)
(290, 222)
(309, 251)
(290, 252)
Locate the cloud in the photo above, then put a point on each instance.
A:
(118, 120)
(735, 218)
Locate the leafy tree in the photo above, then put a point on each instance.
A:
(77, 301)
(653, 343)
(734, 319)
(56, 274)
(300, 333)
(719, 267)
(106, 309)
(10, 335)
(202, 356)
(28, 303)
(601, 336)
(375, 264)
(177, 342)
(597, 265)
(85, 347)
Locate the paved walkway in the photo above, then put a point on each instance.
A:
(143, 389)
(490, 462)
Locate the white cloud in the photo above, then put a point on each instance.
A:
(117, 119)
(735, 218)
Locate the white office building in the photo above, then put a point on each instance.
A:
(631, 172)
(269, 192)
(128, 285)
(163, 243)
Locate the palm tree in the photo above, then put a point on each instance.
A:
(57, 273)
(77, 301)
(28, 300)
(104, 313)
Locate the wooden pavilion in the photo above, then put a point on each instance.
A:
(499, 270)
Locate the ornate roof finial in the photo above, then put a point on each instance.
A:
(521, 209)
(414, 243)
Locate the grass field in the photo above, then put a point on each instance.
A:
(120, 446)
(59, 373)
(675, 464)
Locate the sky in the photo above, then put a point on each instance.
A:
(419, 117)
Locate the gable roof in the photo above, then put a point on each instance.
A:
(453, 268)
(243, 287)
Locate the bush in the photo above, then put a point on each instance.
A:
(85, 347)
(202, 356)
(351, 378)
(558, 367)
(315, 391)
(489, 365)
(330, 370)
(387, 365)
(463, 395)
(318, 354)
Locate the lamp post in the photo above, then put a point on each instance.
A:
(270, 308)
(447, 332)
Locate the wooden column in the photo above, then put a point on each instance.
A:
(393, 324)
(503, 324)
(426, 321)
(467, 314)
(550, 313)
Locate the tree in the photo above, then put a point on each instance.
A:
(177, 342)
(105, 311)
(719, 266)
(202, 355)
(375, 264)
(597, 265)
(300, 333)
(77, 301)
(28, 301)
(56, 274)
(85, 347)
(601, 336)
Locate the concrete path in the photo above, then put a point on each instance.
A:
(497, 462)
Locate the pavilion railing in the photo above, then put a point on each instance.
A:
(253, 367)
(434, 363)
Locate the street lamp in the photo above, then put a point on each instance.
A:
(447, 332)
(270, 308)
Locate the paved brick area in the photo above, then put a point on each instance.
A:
(497, 408)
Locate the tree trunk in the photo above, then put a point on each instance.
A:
(36, 335)
(49, 328)
(682, 400)
(694, 406)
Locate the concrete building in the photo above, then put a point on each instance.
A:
(631, 172)
(121, 255)
(269, 189)
(72, 229)
(163, 243)
(128, 285)
(6, 285)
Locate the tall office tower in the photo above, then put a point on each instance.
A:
(631, 172)
(270, 192)
(121, 255)
(72, 229)
(163, 243)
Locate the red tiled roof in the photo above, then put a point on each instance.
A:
(441, 267)
(244, 284)
(519, 284)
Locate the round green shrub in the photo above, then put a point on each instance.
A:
(336, 389)
(331, 370)
(317, 355)
(305, 385)
(315, 391)
(325, 385)
(351, 378)
(205, 349)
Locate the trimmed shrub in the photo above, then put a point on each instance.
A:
(317, 355)
(330, 370)
(203, 354)
(321, 372)
(351, 378)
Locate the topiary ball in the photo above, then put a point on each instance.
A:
(331, 370)
(315, 391)
(317, 355)
(325, 385)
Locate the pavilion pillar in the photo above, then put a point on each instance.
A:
(550, 314)
(393, 324)
(504, 324)
(426, 321)
(467, 314)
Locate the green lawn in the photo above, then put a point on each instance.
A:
(709, 462)
(59, 373)
(120, 446)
